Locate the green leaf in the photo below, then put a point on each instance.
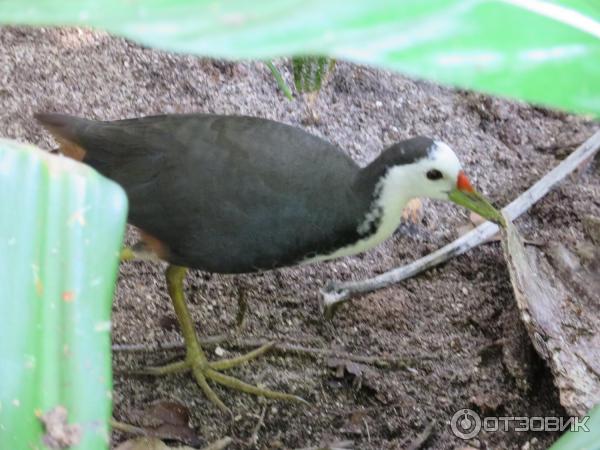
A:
(545, 51)
(310, 72)
(582, 440)
(61, 229)
(280, 81)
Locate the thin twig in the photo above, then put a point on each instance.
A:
(127, 428)
(383, 361)
(400, 361)
(336, 293)
(220, 444)
(422, 437)
(179, 345)
(367, 429)
(261, 421)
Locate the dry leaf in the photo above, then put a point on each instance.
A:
(362, 377)
(59, 434)
(345, 366)
(474, 221)
(561, 316)
(147, 443)
(167, 419)
(413, 211)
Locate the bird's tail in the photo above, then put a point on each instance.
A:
(65, 130)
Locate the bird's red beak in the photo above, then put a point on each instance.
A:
(463, 184)
(465, 195)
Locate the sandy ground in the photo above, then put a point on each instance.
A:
(454, 332)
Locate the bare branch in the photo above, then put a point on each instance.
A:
(399, 361)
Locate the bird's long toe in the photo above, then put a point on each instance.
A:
(203, 370)
(176, 367)
(224, 364)
(239, 385)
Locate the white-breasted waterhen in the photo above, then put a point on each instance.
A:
(235, 194)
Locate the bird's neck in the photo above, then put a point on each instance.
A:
(385, 197)
(390, 190)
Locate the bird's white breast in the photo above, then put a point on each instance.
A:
(386, 212)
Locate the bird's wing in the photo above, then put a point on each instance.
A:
(223, 189)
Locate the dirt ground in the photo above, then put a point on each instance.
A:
(454, 333)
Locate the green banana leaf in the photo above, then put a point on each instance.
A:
(543, 51)
(582, 440)
(61, 229)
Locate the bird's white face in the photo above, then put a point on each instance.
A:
(434, 177)
(437, 175)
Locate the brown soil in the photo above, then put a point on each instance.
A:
(455, 330)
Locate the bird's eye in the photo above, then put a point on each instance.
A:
(434, 174)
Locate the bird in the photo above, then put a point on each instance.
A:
(236, 194)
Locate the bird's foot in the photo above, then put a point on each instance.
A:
(204, 370)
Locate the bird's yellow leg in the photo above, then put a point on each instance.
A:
(127, 254)
(139, 252)
(196, 360)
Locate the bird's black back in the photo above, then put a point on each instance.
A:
(227, 194)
